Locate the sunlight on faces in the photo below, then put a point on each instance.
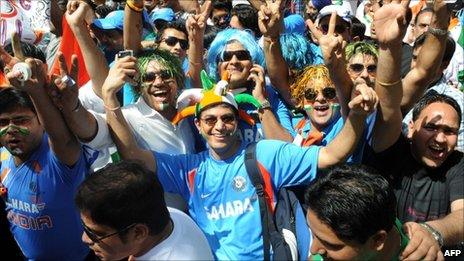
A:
(13, 140)
(329, 246)
(175, 50)
(238, 70)
(220, 135)
(110, 248)
(434, 134)
(157, 90)
(368, 61)
(321, 110)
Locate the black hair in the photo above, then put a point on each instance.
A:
(210, 34)
(222, 5)
(11, 98)
(425, 10)
(450, 46)
(357, 28)
(122, 194)
(221, 104)
(354, 201)
(103, 10)
(248, 17)
(433, 96)
(178, 25)
(29, 50)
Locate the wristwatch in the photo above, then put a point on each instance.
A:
(265, 105)
(435, 233)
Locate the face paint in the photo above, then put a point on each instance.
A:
(308, 108)
(162, 106)
(22, 131)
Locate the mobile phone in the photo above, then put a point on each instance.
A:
(125, 53)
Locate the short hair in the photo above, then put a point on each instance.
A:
(122, 194)
(425, 10)
(361, 47)
(219, 104)
(296, 51)
(210, 34)
(11, 98)
(225, 37)
(178, 25)
(354, 201)
(164, 58)
(357, 28)
(248, 17)
(222, 5)
(29, 50)
(433, 96)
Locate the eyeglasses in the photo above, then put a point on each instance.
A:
(96, 239)
(359, 68)
(218, 19)
(339, 28)
(151, 76)
(242, 55)
(226, 119)
(19, 121)
(328, 93)
(172, 41)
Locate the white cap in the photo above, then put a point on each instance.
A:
(343, 11)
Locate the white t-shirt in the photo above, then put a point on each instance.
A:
(186, 242)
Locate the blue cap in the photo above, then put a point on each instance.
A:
(294, 24)
(319, 4)
(114, 20)
(165, 14)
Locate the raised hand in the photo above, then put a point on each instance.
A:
(257, 76)
(365, 100)
(64, 92)
(18, 56)
(270, 18)
(332, 44)
(124, 70)
(37, 79)
(390, 21)
(196, 25)
(78, 13)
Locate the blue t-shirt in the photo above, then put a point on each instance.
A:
(255, 133)
(40, 203)
(223, 201)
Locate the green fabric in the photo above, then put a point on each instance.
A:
(461, 37)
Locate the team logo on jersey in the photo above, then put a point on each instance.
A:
(239, 183)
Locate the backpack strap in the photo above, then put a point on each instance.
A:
(267, 223)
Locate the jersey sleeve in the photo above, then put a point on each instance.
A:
(287, 163)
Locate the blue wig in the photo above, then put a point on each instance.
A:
(296, 51)
(219, 43)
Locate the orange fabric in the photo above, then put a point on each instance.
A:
(314, 137)
(191, 179)
(453, 23)
(417, 7)
(269, 192)
(68, 47)
(3, 80)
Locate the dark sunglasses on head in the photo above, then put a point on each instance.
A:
(97, 239)
(358, 68)
(151, 76)
(172, 41)
(339, 28)
(242, 55)
(226, 119)
(328, 93)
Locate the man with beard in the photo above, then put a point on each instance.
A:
(42, 163)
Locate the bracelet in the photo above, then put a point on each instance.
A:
(387, 83)
(78, 106)
(435, 233)
(437, 31)
(270, 39)
(112, 109)
(134, 7)
(194, 63)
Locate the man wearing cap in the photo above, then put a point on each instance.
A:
(215, 183)
(160, 17)
(343, 22)
(108, 32)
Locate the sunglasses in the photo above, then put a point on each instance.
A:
(97, 239)
(339, 28)
(151, 76)
(226, 119)
(242, 55)
(358, 68)
(328, 93)
(172, 41)
(218, 19)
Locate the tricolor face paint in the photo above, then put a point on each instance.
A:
(22, 130)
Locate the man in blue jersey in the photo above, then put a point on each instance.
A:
(42, 164)
(221, 197)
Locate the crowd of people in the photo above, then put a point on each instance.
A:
(132, 144)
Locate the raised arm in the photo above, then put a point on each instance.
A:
(63, 143)
(270, 21)
(196, 25)
(65, 96)
(429, 58)
(390, 27)
(122, 71)
(343, 145)
(78, 12)
(132, 33)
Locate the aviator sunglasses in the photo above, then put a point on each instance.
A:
(211, 120)
(358, 68)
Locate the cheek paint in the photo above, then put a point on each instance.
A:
(308, 108)
(22, 131)
(162, 106)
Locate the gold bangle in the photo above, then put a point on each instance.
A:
(194, 63)
(270, 39)
(387, 83)
(112, 109)
(134, 7)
